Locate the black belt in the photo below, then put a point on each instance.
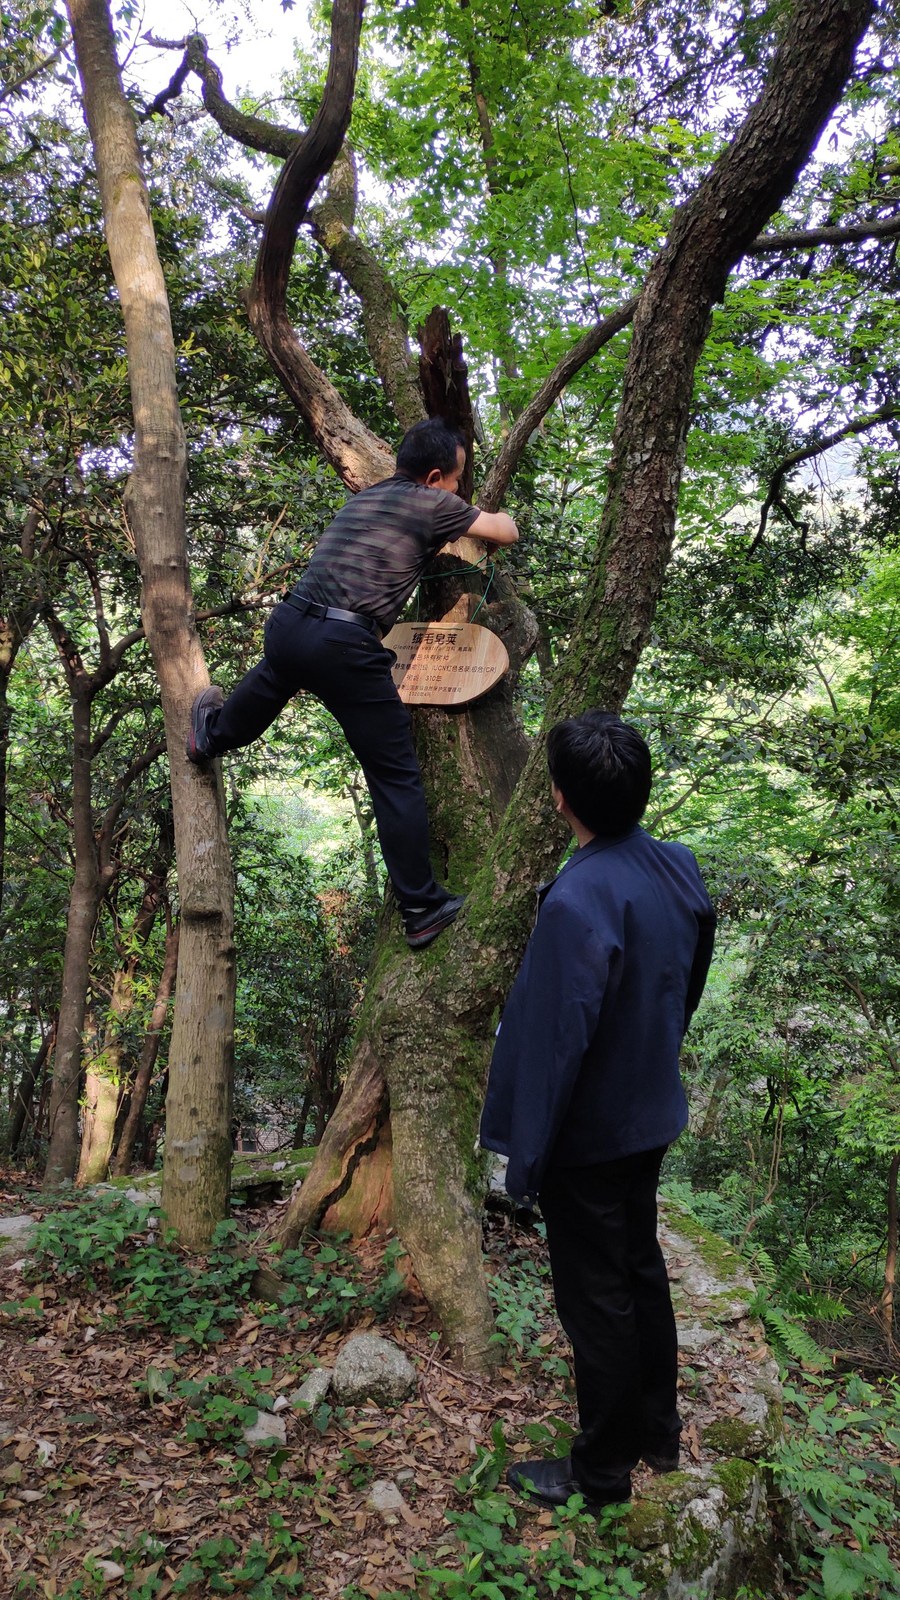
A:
(312, 608)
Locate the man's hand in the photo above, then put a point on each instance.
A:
(495, 527)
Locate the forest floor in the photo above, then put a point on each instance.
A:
(124, 1471)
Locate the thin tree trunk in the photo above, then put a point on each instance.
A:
(99, 1104)
(198, 1139)
(107, 1079)
(87, 890)
(890, 1260)
(24, 1093)
(140, 1088)
(20, 612)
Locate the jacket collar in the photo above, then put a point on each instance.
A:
(603, 841)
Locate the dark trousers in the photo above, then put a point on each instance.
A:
(345, 667)
(613, 1300)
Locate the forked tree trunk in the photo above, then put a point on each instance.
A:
(96, 867)
(427, 1022)
(198, 1142)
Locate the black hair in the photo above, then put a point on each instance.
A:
(601, 766)
(427, 445)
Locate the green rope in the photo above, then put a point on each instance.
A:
(483, 565)
(487, 589)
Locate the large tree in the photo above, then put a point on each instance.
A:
(426, 1015)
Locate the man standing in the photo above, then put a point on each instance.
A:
(585, 1095)
(325, 636)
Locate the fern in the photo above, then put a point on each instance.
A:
(788, 1337)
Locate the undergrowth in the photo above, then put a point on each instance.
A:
(107, 1244)
(838, 1461)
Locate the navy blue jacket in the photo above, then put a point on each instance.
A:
(585, 1066)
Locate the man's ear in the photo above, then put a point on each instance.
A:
(434, 478)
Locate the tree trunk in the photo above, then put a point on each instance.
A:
(21, 602)
(107, 1078)
(99, 1104)
(198, 1139)
(890, 1260)
(24, 1093)
(96, 868)
(427, 1022)
(124, 1156)
(87, 890)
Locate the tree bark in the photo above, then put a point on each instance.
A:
(106, 1077)
(84, 904)
(99, 1104)
(198, 1142)
(890, 1260)
(353, 451)
(24, 1093)
(140, 1088)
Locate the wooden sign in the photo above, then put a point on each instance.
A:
(445, 663)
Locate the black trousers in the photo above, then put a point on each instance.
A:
(345, 667)
(613, 1300)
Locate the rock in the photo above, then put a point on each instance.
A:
(694, 1339)
(15, 1236)
(385, 1498)
(706, 1532)
(371, 1368)
(257, 1176)
(266, 1427)
(751, 1434)
(110, 1569)
(497, 1174)
(718, 1528)
(313, 1389)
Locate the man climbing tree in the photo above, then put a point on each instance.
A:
(325, 637)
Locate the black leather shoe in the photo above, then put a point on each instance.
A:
(424, 926)
(553, 1483)
(205, 703)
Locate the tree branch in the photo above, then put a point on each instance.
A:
(800, 239)
(268, 137)
(332, 225)
(384, 323)
(552, 387)
(9, 89)
(356, 453)
(884, 413)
